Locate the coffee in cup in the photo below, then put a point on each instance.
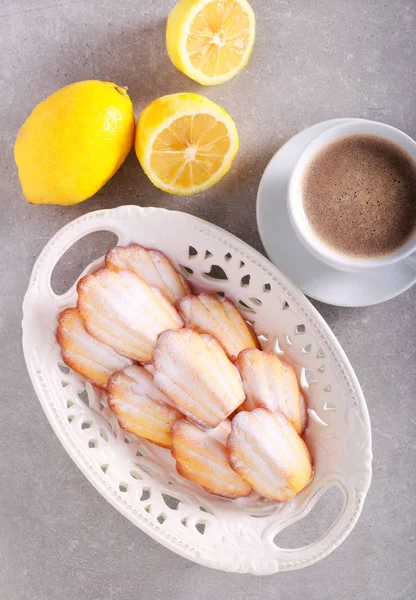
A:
(359, 196)
(352, 196)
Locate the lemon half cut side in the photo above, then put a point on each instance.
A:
(210, 40)
(185, 143)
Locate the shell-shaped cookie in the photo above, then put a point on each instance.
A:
(152, 266)
(83, 353)
(140, 406)
(203, 459)
(219, 317)
(270, 383)
(266, 451)
(195, 373)
(124, 312)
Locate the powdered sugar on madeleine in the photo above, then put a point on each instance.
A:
(123, 311)
(203, 459)
(195, 373)
(83, 353)
(270, 383)
(219, 317)
(266, 451)
(152, 266)
(140, 407)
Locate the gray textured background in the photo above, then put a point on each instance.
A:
(312, 60)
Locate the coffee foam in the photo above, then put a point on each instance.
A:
(359, 195)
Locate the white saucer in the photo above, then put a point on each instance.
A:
(314, 278)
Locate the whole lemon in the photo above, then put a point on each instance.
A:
(73, 142)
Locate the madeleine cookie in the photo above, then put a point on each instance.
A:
(140, 407)
(219, 317)
(123, 311)
(266, 451)
(195, 373)
(152, 266)
(203, 459)
(270, 383)
(83, 353)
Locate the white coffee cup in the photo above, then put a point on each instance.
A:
(298, 217)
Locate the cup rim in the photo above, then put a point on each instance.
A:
(298, 217)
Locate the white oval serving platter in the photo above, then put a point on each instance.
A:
(138, 478)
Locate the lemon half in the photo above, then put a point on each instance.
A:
(210, 40)
(185, 143)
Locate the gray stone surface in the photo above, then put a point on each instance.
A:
(312, 60)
